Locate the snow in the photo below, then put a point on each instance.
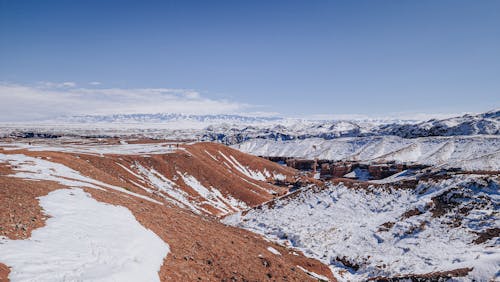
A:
(175, 194)
(339, 221)
(358, 173)
(96, 149)
(468, 152)
(486, 162)
(139, 177)
(212, 196)
(232, 129)
(400, 176)
(313, 274)
(38, 169)
(256, 185)
(279, 176)
(256, 175)
(212, 156)
(85, 240)
(273, 251)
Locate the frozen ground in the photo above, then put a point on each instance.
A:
(387, 231)
(85, 240)
(80, 146)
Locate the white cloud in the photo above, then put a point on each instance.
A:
(26, 103)
(95, 83)
(65, 84)
(387, 117)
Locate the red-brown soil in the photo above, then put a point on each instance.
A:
(4, 273)
(202, 248)
(193, 161)
(205, 248)
(20, 212)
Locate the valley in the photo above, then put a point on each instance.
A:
(358, 208)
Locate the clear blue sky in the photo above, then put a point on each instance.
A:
(293, 57)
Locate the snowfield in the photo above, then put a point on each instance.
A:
(469, 152)
(363, 233)
(85, 240)
(97, 149)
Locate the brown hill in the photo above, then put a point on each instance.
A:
(214, 180)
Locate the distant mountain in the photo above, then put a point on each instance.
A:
(483, 124)
(486, 123)
(165, 117)
(233, 129)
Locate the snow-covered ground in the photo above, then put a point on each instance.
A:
(257, 175)
(211, 196)
(85, 240)
(360, 233)
(388, 231)
(95, 149)
(479, 152)
(38, 169)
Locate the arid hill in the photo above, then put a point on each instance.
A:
(175, 190)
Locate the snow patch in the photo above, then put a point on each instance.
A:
(273, 251)
(212, 196)
(256, 175)
(97, 149)
(313, 274)
(160, 182)
(85, 240)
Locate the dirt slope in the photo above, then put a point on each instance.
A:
(202, 248)
(235, 175)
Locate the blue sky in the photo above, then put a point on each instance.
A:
(291, 57)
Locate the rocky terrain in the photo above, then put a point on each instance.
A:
(434, 228)
(477, 152)
(119, 199)
(101, 210)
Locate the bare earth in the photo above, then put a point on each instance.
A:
(202, 248)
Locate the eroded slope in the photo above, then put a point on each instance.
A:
(200, 246)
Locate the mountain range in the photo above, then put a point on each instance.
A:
(233, 129)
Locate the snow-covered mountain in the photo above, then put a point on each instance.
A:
(477, 152)
(486, 123)
(166, 117)
(233, 129)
